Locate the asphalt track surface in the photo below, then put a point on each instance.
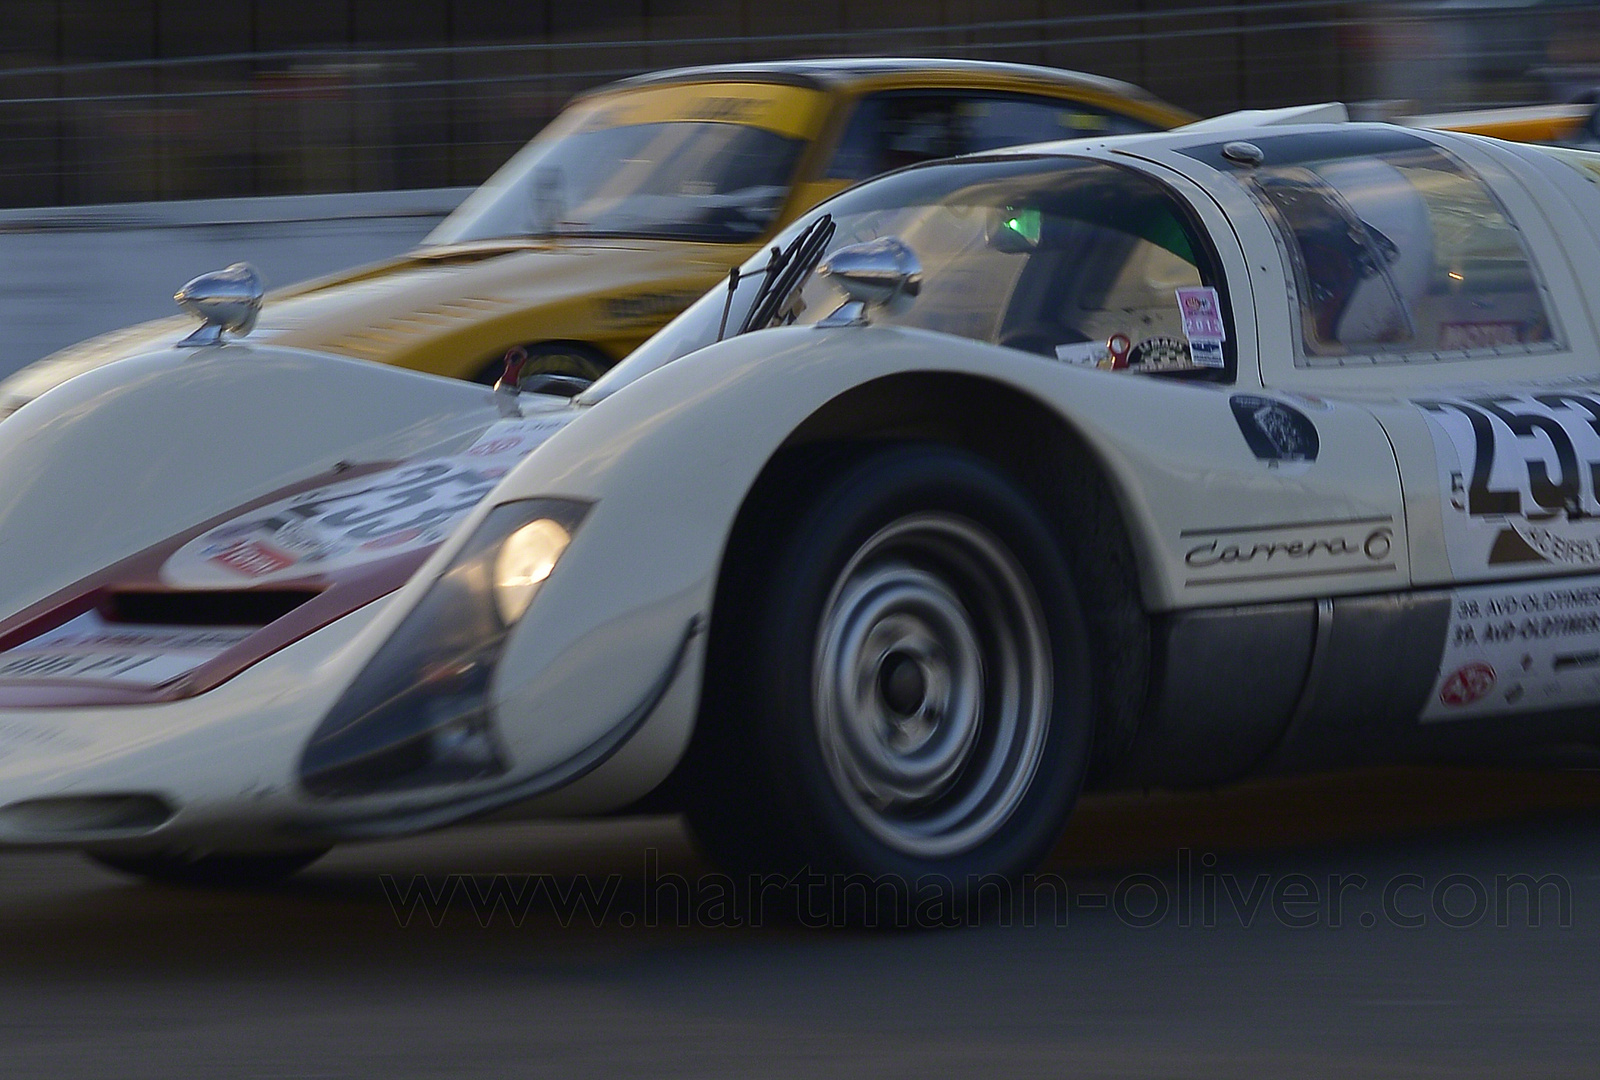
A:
(326, 977)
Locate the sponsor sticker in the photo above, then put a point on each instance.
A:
(1202, 324)
(89, 649)
(1517, 474)
(1519, 648)
(1206, 353)
(1160, 353)
(1202, 312)
(253, 558)
(341, 525)
(1276, 432)
(1087, 353)
(1468, 683)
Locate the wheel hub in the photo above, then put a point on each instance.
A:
(932, 684)
(912, 679)
(903, 685)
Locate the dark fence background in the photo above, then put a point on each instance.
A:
(113, 100)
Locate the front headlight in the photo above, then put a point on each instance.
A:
(419, 715)
(526, 558)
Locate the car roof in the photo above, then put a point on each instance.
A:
(1340, 139)
(832, 72)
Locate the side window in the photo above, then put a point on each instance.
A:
(1402, 254)
(991, 123)
(1122, 283)
(889, 130)
(1086, 263)
(904, 127)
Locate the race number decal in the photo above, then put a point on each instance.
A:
(1520, 477)
(1519, 648)
(328, 529)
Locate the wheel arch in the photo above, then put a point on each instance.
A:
(1043, 450)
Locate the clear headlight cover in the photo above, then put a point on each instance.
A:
(525, 559)
(419, 715)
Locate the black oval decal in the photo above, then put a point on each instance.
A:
(1275, 431)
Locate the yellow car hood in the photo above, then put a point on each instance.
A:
(448, 310)
(485, 298)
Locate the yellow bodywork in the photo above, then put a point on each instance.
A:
(455, 309)
(1530, 124)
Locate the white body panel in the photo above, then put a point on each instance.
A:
(124, 456)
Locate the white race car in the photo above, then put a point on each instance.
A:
(1163, 459)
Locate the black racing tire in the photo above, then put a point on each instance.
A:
(899, 703)
(553, 358)
(217, 870)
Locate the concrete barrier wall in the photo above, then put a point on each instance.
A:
(69, 273)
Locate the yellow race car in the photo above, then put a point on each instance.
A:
(637, 199)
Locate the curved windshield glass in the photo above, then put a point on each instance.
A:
(1080, 261)
(702, 162)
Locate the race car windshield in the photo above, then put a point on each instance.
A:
(656, 165)
(1082, 262)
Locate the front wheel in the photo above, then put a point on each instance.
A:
(908, 705)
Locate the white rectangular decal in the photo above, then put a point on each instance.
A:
(1520, 479)
(89, 649)
(1519, 648)
(1202, 324)
(1085, 353)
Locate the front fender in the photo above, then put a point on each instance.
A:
(668, 461)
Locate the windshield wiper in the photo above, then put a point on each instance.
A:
(786, 271)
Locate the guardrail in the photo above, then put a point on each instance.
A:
(306, 120)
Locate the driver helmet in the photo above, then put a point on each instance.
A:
(1379, 301)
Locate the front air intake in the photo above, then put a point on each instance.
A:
(218, 607)
(63, 817)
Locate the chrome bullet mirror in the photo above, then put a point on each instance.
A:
(883, 273)
(225, 300)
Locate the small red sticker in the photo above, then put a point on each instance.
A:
(1469, 683)
(253, 558)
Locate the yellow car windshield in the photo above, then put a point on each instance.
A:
(705, 162)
